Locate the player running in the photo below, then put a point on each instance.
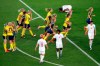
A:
(49, 30)
(41, 43)
(59, 45)
(20, 18)
(91, 31)
(28, 18)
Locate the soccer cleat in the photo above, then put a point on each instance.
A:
(38, 27)
(7, 51)
(22, 36)
(34, 35)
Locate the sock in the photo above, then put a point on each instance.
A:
(23, 31)
(31, 32)
(14, 45)
(11, 46)
(91, 44)
(42, 57)
(19, 28)
(42, 26)
(5, 47)
(45, 37)
(66, 33)
(57, 54)
(60, 52)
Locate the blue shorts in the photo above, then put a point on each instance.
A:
(49, 31)
(46, 28)
(11, 37)
(88, 20)
(27, 26)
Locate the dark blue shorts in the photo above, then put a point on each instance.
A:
(49, 31)
(11, 37)
(46, 28)
(27, 26)
(88, 20)
(4, 37)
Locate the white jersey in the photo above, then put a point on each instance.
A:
(58, 38)
(91, 29)
(42, 44)
(67, 8)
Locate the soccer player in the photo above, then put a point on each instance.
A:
(10, 35)
(5, 38)
(20, 18)
(28, 17)
(65, 8)
(67, 25)
(90, 14)
(59, 45)
(14, 34)
(41, 43)
(51, 27)
(48, 17)
(91, 31)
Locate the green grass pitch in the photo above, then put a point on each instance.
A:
(71, 55)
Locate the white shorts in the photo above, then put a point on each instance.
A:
(90, 35)
(41, 52)
(59, 45)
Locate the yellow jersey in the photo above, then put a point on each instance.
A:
(4, 31)
(48, 14)
(9, 30)
(19, 16)
(65, 23)
(27, 18)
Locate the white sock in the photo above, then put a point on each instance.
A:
(90, 43)
(57, 54)
(42, 57)
(60, 52)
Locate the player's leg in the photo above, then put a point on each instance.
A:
(11, 38)
(90, 44)
(91, 37)
(31, 31)
(61, 51)
(23, 30)
(5, 44)
(57, 51)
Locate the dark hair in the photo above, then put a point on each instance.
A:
(58, 30)
(60, 9)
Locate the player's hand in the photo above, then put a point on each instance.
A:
(35, 49)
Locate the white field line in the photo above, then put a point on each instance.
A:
(35, 18)
(83, 51)
(37, 58)
(66, 38)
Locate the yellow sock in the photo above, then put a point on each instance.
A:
(19, 28)
(5, 47)
(65, 34)
(14, 45)
(31, 32)
(11, 46)
(23, 31)
(45, 37)
(42, 26)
